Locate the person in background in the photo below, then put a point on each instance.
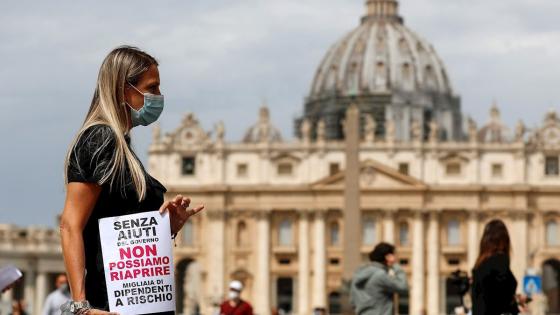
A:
(374, 285)
(319, 311)
(235, 305)
(58, 297)
(18, 308)
(493, 289)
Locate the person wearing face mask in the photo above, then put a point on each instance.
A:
(374, 285)
(58, 297)
(105, 178)
(235, 305)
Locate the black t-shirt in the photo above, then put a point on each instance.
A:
(89, 162)
(493, 289)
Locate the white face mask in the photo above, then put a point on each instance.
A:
(233, 295)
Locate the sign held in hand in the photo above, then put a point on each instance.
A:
(138, 262)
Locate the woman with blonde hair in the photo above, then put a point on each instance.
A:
(104, 177)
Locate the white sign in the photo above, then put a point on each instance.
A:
(138, 262)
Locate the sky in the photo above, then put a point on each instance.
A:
(222, 59)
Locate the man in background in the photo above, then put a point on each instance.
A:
(58, 297)
(374, 285)
(235, 305)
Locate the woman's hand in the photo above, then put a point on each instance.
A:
(11, 286)
(179, 212)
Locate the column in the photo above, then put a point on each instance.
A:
(519, 251)
(433, 265)
(41, 293)
(215, 263)
(389, 226)
(473, 239)
(417, 286)
(303, 264)
(262, 280)
(319, 262)
(29, 290)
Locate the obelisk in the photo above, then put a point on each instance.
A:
(351, 213)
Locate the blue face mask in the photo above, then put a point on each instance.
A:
(150, 112)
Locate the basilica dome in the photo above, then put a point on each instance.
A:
(380, 55)
(391, 73)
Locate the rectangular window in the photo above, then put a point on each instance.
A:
(453, 169)
(284, 261)
(453, 233)
(242, 170)
(552, 234)
(403, 234)
(403, 168)
(551, 166)
(368, 232)
(285, 233)
(188, 166)
(188, 233)
(334, 168)
(285, 169)
(497, 170)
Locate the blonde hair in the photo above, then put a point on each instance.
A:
(123, 64)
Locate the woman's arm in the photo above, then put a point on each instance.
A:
(80, 201)
(396, 284)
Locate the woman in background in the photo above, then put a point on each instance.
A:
(493, 289)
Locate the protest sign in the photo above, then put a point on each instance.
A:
(138, 262)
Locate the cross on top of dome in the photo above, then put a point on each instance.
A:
(382, 10)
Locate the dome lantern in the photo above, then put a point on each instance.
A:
(382, 10)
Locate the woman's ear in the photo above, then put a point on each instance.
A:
(125, 96)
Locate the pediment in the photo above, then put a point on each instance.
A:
(373, 175)
(285, 157)
(453, 157)
(189, 134)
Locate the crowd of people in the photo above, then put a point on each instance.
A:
(493, 286)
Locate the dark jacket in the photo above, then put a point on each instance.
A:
(493, 289)
(372, 289)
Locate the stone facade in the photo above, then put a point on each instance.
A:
(275, 209)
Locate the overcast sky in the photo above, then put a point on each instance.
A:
(220, 59)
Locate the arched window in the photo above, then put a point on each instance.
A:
(368, 232)
(331, 78)
(242, 237)
(403, 234)
(403, 46)
(552, 237)
(453, 232)
(430, 77)
(334, 232)
(285, 233)
(406, 75)
(188, 233)
(380, 75)
(353, 79)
